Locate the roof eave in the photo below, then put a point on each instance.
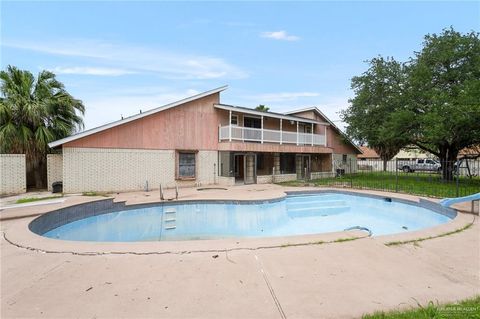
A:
(134, 117)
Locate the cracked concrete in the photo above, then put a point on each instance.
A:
(337, 280)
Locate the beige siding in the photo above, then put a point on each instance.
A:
(13, 178)
(97, 169)
(350, 166)
(54, 169)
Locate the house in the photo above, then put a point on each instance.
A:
(368, 154)
(200, 141)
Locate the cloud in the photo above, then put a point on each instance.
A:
(137, 59)
(91, 71)
(282, 96)
(129, 101)
(279, 35)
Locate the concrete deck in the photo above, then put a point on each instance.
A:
(331, 280)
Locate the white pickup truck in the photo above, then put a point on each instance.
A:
(420, 164)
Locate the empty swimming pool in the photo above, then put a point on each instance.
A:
(293, 215)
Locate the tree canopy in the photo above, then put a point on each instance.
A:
(263, 108)
(432, 100)
(34, 112)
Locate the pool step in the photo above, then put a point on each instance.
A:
(170, 219)
(316, 204)
(317, 211)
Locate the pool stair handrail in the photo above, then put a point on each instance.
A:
(447, 202)
(161, 193)
(176, 192)
(360, 228)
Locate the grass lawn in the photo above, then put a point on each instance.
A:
(469, 308)
(34, 199)
(411, 183)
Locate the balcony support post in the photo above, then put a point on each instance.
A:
(297, 132)
(230, 126)
(312, 134)
(281, 134)
(325, 135)
(262, 128)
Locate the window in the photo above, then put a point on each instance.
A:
(421, 161)
(234, 120)
(344, 158)
(186, 165)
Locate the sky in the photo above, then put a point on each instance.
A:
(122, 57)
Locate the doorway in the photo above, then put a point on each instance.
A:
(245, 168)
(303, 166)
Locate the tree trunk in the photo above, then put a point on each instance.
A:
(448, 156)
(385, 162)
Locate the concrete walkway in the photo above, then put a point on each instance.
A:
(337, 280)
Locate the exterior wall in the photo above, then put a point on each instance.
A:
(271, 148)
(191, 126)
(226, 181)
(54, 169)
(101, 169)
(264, 179)
(334, 138)
(350, 166)
(284, 178)
(13, 176)
(318, 175)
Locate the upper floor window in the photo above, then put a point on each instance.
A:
(234, 120)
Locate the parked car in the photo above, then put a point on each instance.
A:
(419, 164)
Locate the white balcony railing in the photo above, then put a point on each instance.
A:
(248, 134)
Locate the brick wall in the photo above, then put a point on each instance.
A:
(100, 169)
(13, 179)
(284, 178)
(264, 179)
(54, 169)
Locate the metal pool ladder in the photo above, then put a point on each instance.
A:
(170, 220)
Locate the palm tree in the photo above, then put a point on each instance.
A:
(34, 112)
(262, 107)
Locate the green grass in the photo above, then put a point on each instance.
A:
(416, 241)
(469, 308)
(422, 184)
(95, 194)
(34, 199)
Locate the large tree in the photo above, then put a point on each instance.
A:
(444, 95)
(378, 94)
(34, 112)
(432, 101)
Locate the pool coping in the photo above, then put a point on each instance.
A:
(18, 232)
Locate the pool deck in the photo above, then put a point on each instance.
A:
(289, 277)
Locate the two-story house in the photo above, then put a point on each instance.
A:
(200, 141)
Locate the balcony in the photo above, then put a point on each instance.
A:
(258, 135)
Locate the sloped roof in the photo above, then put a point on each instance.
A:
(265, 113)
(368, 153)
(316, 109)
(135, 117)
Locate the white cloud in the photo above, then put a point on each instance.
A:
(137, 59)
(91, 71)
(279, 35)
(111, 107)
(282, 96)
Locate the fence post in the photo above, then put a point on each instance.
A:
(351, 174)
(396, 175)
(458, 175)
